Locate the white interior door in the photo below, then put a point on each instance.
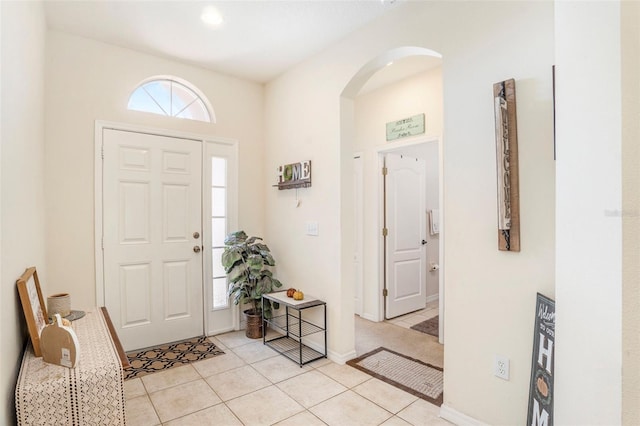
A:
(152, 247)
(405, 193)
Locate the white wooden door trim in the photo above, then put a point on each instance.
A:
(358, 159)
(441, 271)
(100, 126)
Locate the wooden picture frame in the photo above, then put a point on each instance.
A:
(35, 312)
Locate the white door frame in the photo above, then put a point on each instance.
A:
(381, 151)
(359, 226)
(100, 126)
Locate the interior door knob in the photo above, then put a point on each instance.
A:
(196, 249)
(424, 242)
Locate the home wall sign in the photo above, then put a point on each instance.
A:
(540, 410)
(504, 97)
(295, 175)
(406, 127)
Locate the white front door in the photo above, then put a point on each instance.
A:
(152, 226)
(405, 194)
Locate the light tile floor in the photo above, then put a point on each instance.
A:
(413, 318)
(396, 335)
(253, 385)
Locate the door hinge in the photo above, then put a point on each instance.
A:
(384, 171)
(385, 232)
(102, 151)
(385, 292)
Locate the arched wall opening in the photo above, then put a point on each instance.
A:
(348, 209)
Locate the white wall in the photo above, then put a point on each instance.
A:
(630, 50)
(417, 94)
(490, 295)
(589, 213)
(88, 81)
(22, 176)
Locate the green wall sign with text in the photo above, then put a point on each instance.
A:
(406, 127)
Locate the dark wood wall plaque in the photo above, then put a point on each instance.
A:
(504, 96)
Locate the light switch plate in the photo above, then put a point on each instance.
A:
(312, 228)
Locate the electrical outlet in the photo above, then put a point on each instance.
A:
(501, 367)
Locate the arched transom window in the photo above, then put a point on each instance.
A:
(171, 97)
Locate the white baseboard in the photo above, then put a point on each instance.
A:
(458, 418)
(433, 298)
(341, 358)
(369, 317)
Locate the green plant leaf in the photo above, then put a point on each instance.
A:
(229, 258)
(252, 240)
(237, 272)
(261, 247)
(255, 263)
(235, 238)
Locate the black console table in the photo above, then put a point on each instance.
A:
(292, 329)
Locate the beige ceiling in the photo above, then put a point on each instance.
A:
(257, 41)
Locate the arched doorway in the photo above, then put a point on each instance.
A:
(350, 243)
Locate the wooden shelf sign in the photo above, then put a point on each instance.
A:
(504, 96)
(295, 175)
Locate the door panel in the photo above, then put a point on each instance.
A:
(176, 218)
(135, 281)
(151, 208)
(134, 212)
(176, 285)
(405, 194)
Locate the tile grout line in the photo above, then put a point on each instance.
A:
(276, 384)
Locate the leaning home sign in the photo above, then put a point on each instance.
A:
(540, 411)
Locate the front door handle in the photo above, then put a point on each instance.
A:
(196, 249)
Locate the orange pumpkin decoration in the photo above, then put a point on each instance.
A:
(298, 295)
(290, 292)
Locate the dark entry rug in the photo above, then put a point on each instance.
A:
(429, 326)
(411, 375)
(152, 360)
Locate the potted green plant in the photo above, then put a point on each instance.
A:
(247, 262)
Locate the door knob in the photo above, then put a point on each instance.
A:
(424, 242)
(196, 235)
(196, 249)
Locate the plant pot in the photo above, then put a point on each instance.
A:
(254, 324)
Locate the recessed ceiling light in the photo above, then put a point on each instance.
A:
(389, 63)
(211, 16)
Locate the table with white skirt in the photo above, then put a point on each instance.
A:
(92, 393)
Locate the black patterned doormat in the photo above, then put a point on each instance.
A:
(429, 326)
(411, 375)
(158, 358)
